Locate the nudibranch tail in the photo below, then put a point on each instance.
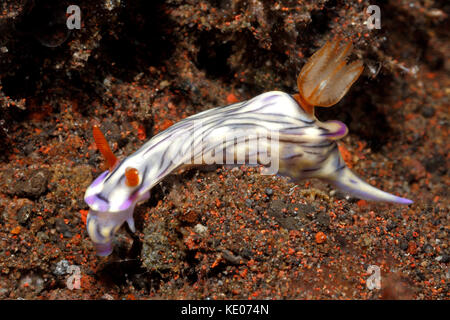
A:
(327, 77)
(103, 147)
(336, 172)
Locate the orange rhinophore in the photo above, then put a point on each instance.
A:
(104, 148)
(300, 146)
(131, 177)
(326, 77)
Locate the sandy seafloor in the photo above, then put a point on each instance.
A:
(135, 68)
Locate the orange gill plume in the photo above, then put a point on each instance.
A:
(103, 147)
(326, 77)
(131, 177)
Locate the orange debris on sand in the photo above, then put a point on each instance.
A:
(320, 237)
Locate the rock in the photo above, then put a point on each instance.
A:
(276, 211)
(404, 244)
(36, 185)
(427, 248)
(391, 225)
(26, 183)
(200, 229)
(63, 228)
(33, 282)
(339, 195)
(230, 257)
(24, 214)
(42, 236)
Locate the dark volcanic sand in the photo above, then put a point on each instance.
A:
(136, 68)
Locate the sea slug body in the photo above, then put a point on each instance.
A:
(274, 129)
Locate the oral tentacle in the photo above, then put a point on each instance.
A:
(130, 222)
(103, 225)
(96, 230)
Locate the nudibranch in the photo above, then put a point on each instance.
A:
(275, 129)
